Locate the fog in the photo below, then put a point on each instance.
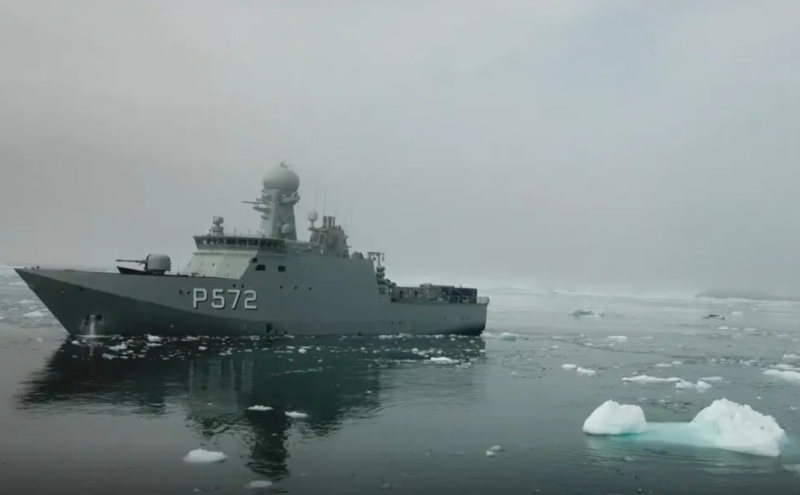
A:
(646, 146)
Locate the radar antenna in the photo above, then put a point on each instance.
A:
(312, 217)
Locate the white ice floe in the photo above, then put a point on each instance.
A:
(443, 360)
(791, 357)
(585, 371)
(259, 408)
(493, 450)
(723, 425)
(700, 386)
(617, 338)
(33, 314)
(712, 378)
(258, 484)
(510, 337)
(650, 379)
(788, 375)
(296, 415)
(202, 456)
(612, 418)
(569, 366)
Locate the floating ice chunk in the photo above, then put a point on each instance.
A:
(617, 338)
(33, 314)
(712, 378)
(650, 379)
(496, 448)
(792, 357)
(585, 371)
(258, 484)
(153, 338)
(259, 408)
(663, 365)
(792, 376)
(597, 313)
(723, 425)
(612, 418)
(443, 360)
(739, 428)
(511, 337)
(202, 456)
(296, 415)
(489, 453)
(700, 386)
(302, 350)
(568, 366)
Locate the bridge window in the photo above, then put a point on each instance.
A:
(260, 268)
(281, 268)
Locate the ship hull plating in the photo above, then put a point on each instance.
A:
(87, 302)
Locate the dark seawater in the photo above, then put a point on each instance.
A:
(109, 416)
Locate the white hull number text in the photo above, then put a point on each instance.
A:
(225, 298)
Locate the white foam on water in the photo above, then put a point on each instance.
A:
(724, 425)
(33, 314)
(202, 456)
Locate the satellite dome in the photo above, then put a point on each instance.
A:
(283, 178)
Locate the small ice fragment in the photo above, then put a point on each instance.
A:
(649, 379)
(442, 360)
(585, 371)
(496, 448)
(153, 338)
(254, 485)
(511, 337)
(618, 338)
(202, 456)
(259, 408)
(33, 314)
(296, 415)
(712, 378)
(302, 351)
(489, 453)
(569, 366)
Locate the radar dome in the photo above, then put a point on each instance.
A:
(283, 178)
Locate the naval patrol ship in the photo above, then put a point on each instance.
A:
(266, 283)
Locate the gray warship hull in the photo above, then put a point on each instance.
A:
(101, 303)
(266, 283)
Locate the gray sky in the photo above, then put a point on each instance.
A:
(578, 143)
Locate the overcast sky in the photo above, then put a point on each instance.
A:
(572, 143)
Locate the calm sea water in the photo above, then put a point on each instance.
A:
(118, 416)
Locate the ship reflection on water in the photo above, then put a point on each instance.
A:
(213, 383)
